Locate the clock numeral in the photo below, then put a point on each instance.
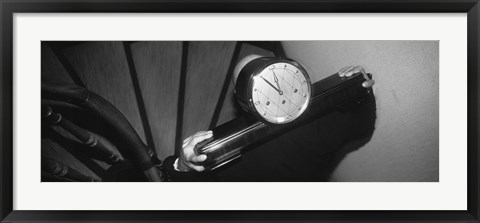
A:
(264, 113)
(289, 117)
(257, 102)
(296, 71)
(285, 65)
(268, 102)
(272, 67)
(295, 91)
(304, 82)
(283, 102)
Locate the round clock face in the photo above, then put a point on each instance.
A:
(280, 92)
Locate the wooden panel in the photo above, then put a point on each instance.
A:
(103, 68)
(158, 69)
(52, 69)
(230, 109)
(207, 67)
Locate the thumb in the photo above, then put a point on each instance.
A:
(200, 158)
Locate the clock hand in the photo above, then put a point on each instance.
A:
(268, 82)
(275, 78)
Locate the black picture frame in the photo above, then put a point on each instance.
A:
(9, 7)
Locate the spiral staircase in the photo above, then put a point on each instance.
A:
(112, 111)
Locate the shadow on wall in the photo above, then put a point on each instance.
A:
(364, 115)
(405, 144)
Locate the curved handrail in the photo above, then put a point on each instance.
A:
(128, 138)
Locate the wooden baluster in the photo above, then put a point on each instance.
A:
(48, 177)
(128, 141)
(88, 139)
(63, 171)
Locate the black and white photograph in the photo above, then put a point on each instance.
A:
(240, 111)
(244, 111)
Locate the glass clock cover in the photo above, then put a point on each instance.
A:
(280, 92)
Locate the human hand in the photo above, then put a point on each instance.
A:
(188, 160)
(350, 70)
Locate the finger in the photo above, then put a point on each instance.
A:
(185, 141)
(368, 83)
(362, 70)
(198, 159)
(196, 168)
(365, 74)
(356, 69)
(185, 144)
(342, 70)
(197, 139)
(201, 133)
(350, 71)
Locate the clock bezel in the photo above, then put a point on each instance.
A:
(255, 68)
